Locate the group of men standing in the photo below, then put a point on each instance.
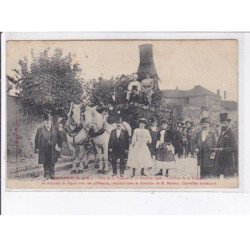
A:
(217, 155)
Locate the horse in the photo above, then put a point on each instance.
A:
(102, 130)
(77, 136)
(85, 124)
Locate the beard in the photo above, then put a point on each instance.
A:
(223, 128)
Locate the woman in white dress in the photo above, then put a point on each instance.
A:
(139, 156)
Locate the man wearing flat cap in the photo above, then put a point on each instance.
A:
(205, 142)
(227, 150)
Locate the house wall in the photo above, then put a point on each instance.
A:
(21, 129)
(213, 101)
(178, 101)
(197, 101)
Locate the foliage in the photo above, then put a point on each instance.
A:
(48, 83)
(101, 92)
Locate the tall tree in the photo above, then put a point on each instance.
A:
(49, 82)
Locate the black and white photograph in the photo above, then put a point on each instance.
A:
(122, 114)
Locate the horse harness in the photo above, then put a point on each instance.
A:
(90, 133)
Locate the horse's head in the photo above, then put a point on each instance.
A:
(76, 114)
(93, 118)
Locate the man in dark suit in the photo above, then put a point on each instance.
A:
(227, 150)
(178, 143)
(48, 143)
(206, 140)
(118, 147)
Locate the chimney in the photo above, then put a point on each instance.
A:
(218, 92)
(146, 62)
(225, 95)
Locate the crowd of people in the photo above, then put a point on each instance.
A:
(153, 143)
(154, 146)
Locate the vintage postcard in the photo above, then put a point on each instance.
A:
(122, 114)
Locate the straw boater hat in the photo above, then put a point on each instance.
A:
(224, 117)
(143, 120)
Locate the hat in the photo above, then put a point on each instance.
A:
(100, 109)
(164, 121)
(224, 117)
(143, 120)
(119, 120)
(204, 120)
(134, 75)
(47, 117)
(152, 120)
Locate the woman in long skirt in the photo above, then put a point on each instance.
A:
(165, 158)
(139, 156)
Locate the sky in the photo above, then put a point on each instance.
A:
(212, 64)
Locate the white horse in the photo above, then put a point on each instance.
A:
(77, 135)
(102, 129)
(86, 124)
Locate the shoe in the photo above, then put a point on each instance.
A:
(114, 175)
(133, 173)
(159, 174)
(46, 176)
(105, 171)
(80, 171)
(166, 175)
(142, 172)
(52, 176)
(73, 171)
(100, 172)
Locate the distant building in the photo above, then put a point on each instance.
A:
(192, 100)
(198, 97)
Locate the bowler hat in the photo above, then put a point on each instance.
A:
(47, 117)
(100, 109)
(224, 117)
(204, 120)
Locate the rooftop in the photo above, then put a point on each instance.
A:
(198, 90)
